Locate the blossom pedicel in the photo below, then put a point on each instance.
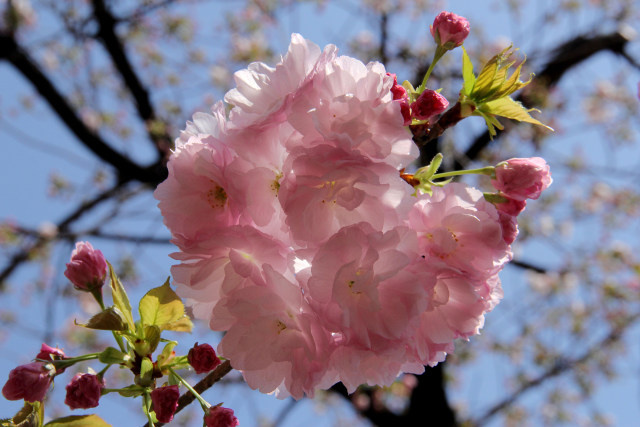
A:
(301, 241)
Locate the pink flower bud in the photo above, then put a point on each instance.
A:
(400, 94)
(29, 382)
(449, 30)
(509, 226)
(87, 268)
(83, 392)
(51, 353)
(203, 358)
(511, 206)
(429, 104)
(165, 402)
(217, 416)
(522, 179)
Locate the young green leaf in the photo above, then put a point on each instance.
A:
(120, 299)
(511, 109)
(110, 319)
(183, 324)
(160, 305)
(31, 415)
(467, 73)
(112, 356)
(78, 421)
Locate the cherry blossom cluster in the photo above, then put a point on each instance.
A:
(300, 239)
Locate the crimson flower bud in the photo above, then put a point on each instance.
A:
(29, 382)
(449, 30)
(83, 392)
(165, 402)
(87, 268)
(521, 179)
(217, 416)
(203, 358)
(51, 353)
(430, 103)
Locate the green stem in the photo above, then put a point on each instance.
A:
(204, 403)
(489, 170)
(147, 406)
(439, 53)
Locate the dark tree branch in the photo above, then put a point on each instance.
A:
(95, 232)
(62, 227)
(127, 169)
(428, 396)
(107, 35)
(204, 384)
(559, 367)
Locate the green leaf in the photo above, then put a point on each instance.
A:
(78, 421)
(160, 306)
(467, 73)
(31, 415)
(152, 336)
(507, 107)
(121, 300)
(110, 319)
(146, 373)
(112, 356)
(183, 324)
(131, 391)
(167, 353)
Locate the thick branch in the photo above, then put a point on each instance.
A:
(127, 169)
(428, 396)
(107, 35)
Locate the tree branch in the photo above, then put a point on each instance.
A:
(62, 227)
(127, 169)
(107, 36)
(560, 367)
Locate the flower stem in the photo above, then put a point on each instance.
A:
(147, 406)
(204, 403)
(439, 53)
(489, 170)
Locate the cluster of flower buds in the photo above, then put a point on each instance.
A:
(87, 270)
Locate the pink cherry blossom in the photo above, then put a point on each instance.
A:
(275, 340)
(459, 230)
(29, 382)
(429, 104)
(87, 269)
(326, 188)
(200, 194)
(522, 179)
(262, 93)
(84, 391)
(449, 30)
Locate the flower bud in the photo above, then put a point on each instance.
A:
(399, 94)
(83, 392)
(429, 104)
(217, 416)
(51, 353)
(29, 382)
(511, 206)
(522, 179)
(87, 268)
(203, 358)
(165, 402)
(449, 30)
